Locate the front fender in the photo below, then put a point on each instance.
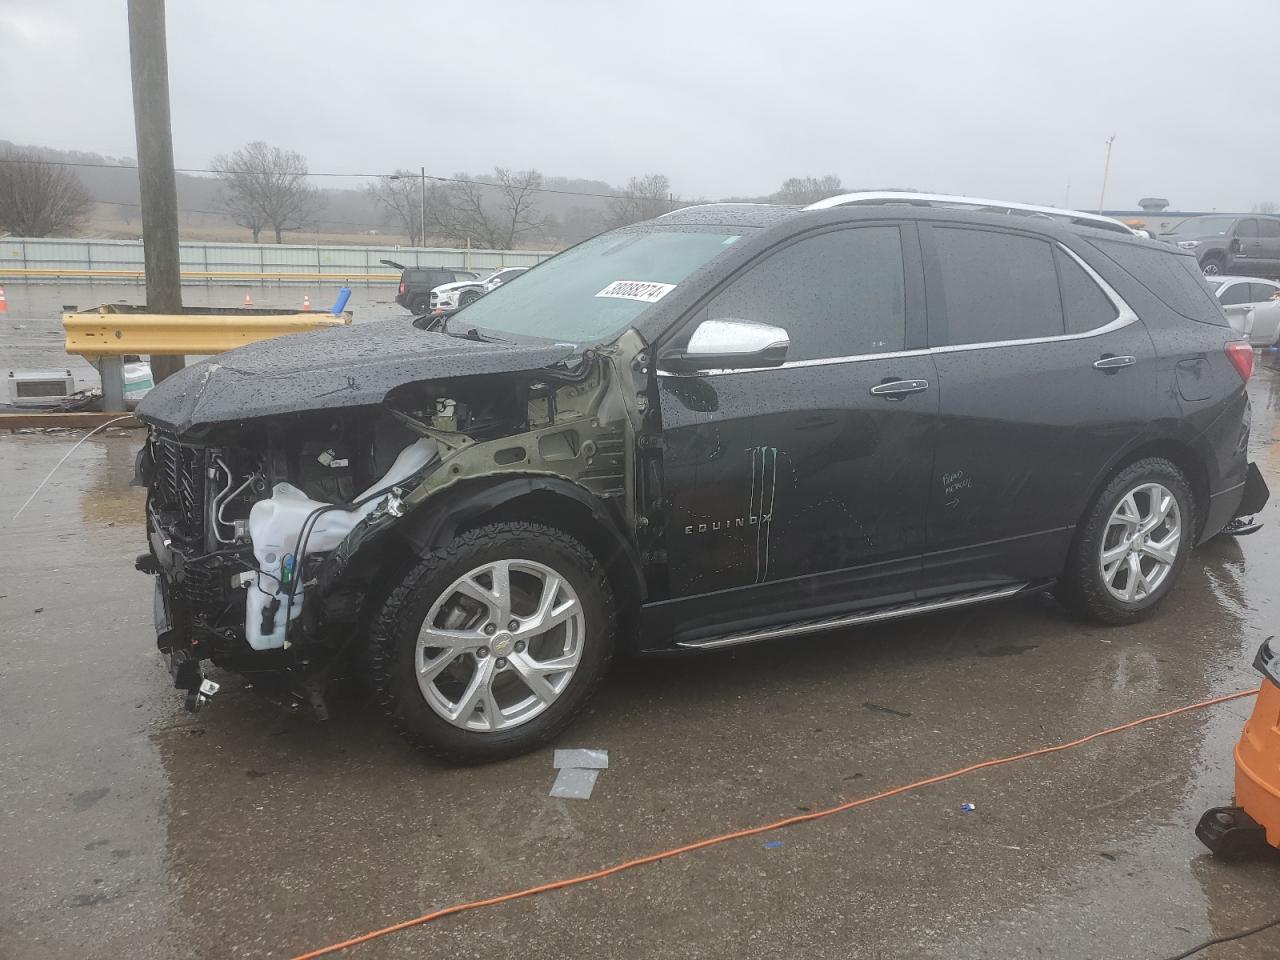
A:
(376, 553)
(441, 515)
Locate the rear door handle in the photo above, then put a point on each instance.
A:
(896, 389)
(1112, 363)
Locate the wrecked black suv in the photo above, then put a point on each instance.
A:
(733, 423)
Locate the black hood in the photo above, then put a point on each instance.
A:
(328, 369)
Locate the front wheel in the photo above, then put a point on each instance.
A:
(1213, 266)
(493, 643)
(1132, 545)
(467, 299)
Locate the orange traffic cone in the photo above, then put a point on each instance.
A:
(306, 302)
(4, 304)
(248, 300)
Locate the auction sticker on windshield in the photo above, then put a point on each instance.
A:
(642, 290)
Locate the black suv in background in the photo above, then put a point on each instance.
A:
(1243, 246)
(416, 284)
(731, 424)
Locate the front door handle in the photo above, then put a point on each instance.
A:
(896, 389)
(1111, 362)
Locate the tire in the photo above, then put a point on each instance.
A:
(1086, 587)
(1213, 266)
(456, 585)
(420, 304)
(467, 299)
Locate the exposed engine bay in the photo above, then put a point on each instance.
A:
(271, 536)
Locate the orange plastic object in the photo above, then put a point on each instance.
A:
(1258, 763)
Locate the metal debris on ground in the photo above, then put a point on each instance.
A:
(967, 808)
(583, 759)
(578, 772)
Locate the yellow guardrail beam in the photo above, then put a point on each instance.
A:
(108, 333)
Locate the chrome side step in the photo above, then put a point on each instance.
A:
(849, 619)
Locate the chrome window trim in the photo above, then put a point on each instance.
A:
(793, 364)
(1125, 316)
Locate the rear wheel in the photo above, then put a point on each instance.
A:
(493, 643)
(420, 304)
(1132, 545)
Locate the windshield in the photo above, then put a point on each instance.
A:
(596, 288)
(1204, 226)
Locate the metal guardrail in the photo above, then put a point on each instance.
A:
(121, 261)
(114, 331)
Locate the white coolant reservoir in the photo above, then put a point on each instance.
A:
(274, 526)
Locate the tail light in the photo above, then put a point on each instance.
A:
(401, 288)
(1241, 356)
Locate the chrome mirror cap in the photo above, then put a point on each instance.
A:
(734, 338)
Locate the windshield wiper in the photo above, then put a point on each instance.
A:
(476, 335)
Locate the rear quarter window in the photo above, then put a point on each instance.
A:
(1174, 278)
(1084, 304)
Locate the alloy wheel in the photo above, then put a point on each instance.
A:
(1140, 542)
(500, 645)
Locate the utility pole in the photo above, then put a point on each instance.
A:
(150, 68)
(1106, 169)
(422, 210)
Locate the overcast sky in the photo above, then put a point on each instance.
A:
(1007, 98)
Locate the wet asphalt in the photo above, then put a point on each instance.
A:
(129, 828)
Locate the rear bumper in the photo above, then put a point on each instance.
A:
(1241, 501)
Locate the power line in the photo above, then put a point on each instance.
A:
(226, 214)
(354, 176)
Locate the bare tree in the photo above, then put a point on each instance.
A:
(39, 199)
(494, 213)
(1266, 206)
(519, 193)
(466, 216)
(806, 190)
(400, 196)
(643, 198)
(265, 186)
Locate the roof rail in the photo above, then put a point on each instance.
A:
(1077, 217)
(716, 203)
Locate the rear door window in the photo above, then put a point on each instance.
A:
(997, 286)
(1269, 229)
(1247, 228)
(1261, 292)
(1084, 304)
(837, 294)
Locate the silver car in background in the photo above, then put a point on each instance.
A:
(1252, 305)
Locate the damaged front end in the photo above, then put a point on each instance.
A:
(278, 520)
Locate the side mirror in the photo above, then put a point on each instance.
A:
(729, 345)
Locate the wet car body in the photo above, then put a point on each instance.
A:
(725, 503)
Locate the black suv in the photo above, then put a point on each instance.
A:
(416, 284)
(731, 424)
(1248, 246)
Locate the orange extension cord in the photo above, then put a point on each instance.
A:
(754, 831)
